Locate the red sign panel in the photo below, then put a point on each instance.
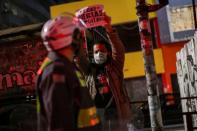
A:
(19, 63)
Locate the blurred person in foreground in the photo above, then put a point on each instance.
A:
(105, 81)
(63, 100)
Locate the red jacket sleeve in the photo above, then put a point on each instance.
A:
(118, 50)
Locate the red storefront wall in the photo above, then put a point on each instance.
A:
(169, 57)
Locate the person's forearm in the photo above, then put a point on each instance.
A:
(117, 46)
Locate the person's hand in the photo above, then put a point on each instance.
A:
(108, 26)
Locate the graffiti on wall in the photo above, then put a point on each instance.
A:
(186, 65)
(19, 63)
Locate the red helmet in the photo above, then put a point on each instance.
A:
(57, 33)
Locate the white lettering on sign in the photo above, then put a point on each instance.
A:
(92, 16)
